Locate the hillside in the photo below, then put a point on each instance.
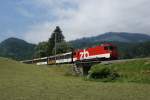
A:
(136, 50)
(29, 82)
(131, 70)
(16, 48)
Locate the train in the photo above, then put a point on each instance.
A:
(106, 51)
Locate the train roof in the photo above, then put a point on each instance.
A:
(40, 58)
(60, 54)
(25, 61)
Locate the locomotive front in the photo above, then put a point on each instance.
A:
(112, 49)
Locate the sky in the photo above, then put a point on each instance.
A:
(35, 20)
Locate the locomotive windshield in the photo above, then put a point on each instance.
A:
(109, 48)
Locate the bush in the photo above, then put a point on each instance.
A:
(104, 73)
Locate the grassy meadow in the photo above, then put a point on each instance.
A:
(30, 82)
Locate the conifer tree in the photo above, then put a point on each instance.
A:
(57, 34)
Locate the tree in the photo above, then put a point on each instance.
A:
(59, 36)
(56, 37)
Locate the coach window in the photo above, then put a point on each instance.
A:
(53, 58)
(67, 56)
(57, 58)
(62, 57)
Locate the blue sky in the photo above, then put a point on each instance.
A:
(34, 20)
(17, 16)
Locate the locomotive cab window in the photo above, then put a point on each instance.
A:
(108, 48)
(105, 48)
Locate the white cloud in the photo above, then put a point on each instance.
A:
(38, 33)
(79, 18)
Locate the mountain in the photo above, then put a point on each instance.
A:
(16, 49)
(124, 37)
(111, 37)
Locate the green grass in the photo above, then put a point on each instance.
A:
(29, 82)
(131, 71)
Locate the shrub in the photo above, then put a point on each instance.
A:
(103, 72)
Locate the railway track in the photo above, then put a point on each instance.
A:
(122, 60)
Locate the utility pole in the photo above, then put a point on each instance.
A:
(55, 44)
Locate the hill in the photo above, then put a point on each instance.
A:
(16, 48)
(29, 82)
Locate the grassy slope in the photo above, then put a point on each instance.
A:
(132, 71)
(28, 82)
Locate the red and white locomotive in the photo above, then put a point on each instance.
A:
(101, 52)
(105, 51)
